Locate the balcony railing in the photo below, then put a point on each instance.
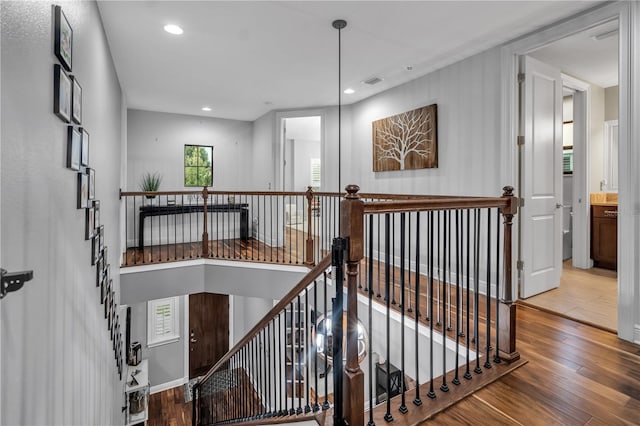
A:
(423, 284)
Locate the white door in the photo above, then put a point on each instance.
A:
(541, 173)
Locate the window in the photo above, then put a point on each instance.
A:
(198, 165)
(315, 173)
(162, 321)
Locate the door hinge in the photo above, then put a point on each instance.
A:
(520, 265)
(520, 140)
(521, 202)
(520, 77)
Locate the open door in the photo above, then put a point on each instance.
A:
(541, 177)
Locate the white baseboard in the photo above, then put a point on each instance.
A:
(636, 334)
(169, 385)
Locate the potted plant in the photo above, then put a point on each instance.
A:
(150, 182)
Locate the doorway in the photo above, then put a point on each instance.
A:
(301, 153)
(208, 331)
(586, 169)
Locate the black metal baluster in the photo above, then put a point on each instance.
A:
(431, 394)
(307, 347)
(316, 406)
(277, 220)
(379, 269)
(467, 374)
(283, 360)
(409, 265)
(476, 298)
(325, 405)
(439, 271)
(387, 297)
(291, 336)
(448, 288)
(267, 355)
(417, 401)
(403, 406)
(496, 355)
(393, 259)
(370, 294)
(456, 379)
(445, 235)
(487, 362)
(298, 371)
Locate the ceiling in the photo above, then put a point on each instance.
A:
(245, 58)
(584, 57)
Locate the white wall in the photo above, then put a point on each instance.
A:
(468, 97)
(156, 144)
(264, 150)
(247, 312)
(611, 99)
(58, 366)
(166, 362)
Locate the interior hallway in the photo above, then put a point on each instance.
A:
(586, 295)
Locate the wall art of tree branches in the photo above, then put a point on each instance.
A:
(406, 141)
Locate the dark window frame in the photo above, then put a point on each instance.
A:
(197, 167)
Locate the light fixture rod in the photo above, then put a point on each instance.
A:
(339, 24)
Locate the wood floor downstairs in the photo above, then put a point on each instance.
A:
(576, 375)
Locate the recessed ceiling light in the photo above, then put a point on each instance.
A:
(349, 91)
(206, 108)
(173, 29)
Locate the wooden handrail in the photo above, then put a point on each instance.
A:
(443, 203)
(279, 307)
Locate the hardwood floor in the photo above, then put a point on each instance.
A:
(586, 295)
(168, 408)
(576, 375)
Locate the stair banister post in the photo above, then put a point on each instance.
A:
(309, 252)
(352, 229)
(205, 234)
(507, 326)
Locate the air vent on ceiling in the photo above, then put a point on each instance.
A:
(373, 80)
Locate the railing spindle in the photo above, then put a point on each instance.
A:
(403, 406)
(387, 281)
(444, 387)
(417, 401)
(431, 394)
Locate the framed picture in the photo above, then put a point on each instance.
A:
(61, 94)
(63, 39)
(99, 271)
(96, 207)
(103, 291)
(76, 103)
(74, 143)
(92, 184)
(95, 248)
(101, 238)
(90, 228)
(84, 159)
(83, 190)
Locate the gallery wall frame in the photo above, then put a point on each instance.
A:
(90, 223)
(84, 159)
(63, 39)
(74, 146)
(61, 94)
(92, 185)
(76, 104)
(83, 190)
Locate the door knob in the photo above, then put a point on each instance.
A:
(558, 206)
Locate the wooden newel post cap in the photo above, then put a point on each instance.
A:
(352, 191)
(507, 191)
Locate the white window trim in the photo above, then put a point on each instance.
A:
(173, 335)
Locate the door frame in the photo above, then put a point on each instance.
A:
(280, 119)
(580, 240)
(628, 16)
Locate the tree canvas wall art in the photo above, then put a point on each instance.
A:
(406, 141)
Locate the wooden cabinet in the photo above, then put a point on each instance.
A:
(604, 236)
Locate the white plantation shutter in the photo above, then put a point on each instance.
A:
(163, 323)
(315, 172)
